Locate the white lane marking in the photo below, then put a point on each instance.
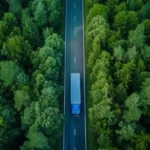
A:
(74, 32)
(74, 59)
(74, 5)
(74, 148)
(74, 18)
(65, 75)
(84, 78)
(74, 131)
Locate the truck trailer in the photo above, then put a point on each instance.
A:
(75, 94)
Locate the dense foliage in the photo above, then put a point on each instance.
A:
(31, 53)
(118, 65)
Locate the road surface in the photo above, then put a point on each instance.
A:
(74, 137)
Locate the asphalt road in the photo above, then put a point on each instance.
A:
(74, 129)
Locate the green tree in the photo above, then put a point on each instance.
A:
(145, 93)
(90, 3)
(127, 131)
(40, 15)
(124, 74)
(7, 24)
(48, 119)
(121, 7)
(37, 140)
(96, 32)
(10, 21)
(100, 89)
(142, 141)
(8, 72)
(142, 76)
(15, 7)
(105, 142)
(97, 9)
(125, 21)
(145, 53)
(141, 65)
(15, 31)
(49, 58)
(18, 49)
(22, 79)
(121, 93)
(134, 37)
(144, 12)
(9, 129)
(55, 41)
(22, 98)
(55, 9)
(120, 21)
(132, 20)
(133, 113)
(134, 5)
(93, 55)
(113, 38)
(111, 6)
(132, 53)
(49, 96)
(101, 64)
(119, 53)
(102, 116)
(30, 30)
(2, 32)
(47, 32)
(29, 116)
(147, 30)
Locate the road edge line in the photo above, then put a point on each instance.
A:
(84, 76)
(65, 72)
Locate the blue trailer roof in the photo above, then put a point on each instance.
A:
(75, 88)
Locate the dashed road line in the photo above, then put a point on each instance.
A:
(74, 59)
(74, 131)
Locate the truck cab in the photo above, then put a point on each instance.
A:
(76, 109)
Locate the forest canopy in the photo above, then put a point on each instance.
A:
(31, 62)
(118, 78)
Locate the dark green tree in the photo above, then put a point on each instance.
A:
(30, 30)
(18, 49)
(15, 7)
(55, 9)
(97, 9)
(40, 15)
(134, 5)
(134, 37)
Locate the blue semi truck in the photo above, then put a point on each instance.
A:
(75, 94)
